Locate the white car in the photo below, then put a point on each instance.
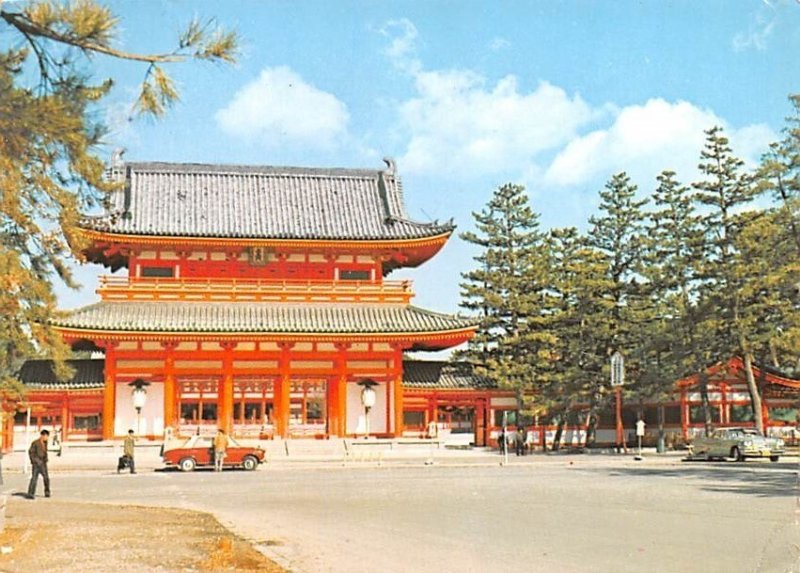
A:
(737, 444)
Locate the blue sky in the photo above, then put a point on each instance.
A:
(466, 96)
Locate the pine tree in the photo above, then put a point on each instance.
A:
(779, 173)
(50, 172)
(506, 291)
(671, 342)
(580, 318)
(618, 233)
(727, 195)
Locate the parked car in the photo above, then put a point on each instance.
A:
(199, 451)
(737, 444)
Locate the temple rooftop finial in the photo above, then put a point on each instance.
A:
(116, 158)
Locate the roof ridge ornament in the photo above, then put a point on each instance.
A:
(116, 158)
(391, 165)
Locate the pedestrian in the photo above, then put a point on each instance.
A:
(127, 454)
(520, 444)
(220, 447)
(57, 441)
(38, 456)
(501, 440)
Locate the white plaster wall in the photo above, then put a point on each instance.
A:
(355, 410)
(152, 419)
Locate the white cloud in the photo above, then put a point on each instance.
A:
(458, 123)
(498, 44)
(646, 139)
(402, 49)
(281, 108)
(756, 37)
(760, 28)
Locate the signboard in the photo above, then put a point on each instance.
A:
(640, 428)
(617, 369)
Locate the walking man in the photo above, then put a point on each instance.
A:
(220, 447)
(127, 453)
(38, 456)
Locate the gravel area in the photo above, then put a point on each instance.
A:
(51, 535)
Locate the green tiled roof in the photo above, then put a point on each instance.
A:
(260, 202)
(260, 317)
(442, 375)
(40, 374)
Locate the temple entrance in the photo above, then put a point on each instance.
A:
(197, 406)
(254, 407)
(308, 408)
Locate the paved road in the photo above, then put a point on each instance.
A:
(571, 513)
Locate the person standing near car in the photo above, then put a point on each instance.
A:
(220, 447)
(38, 456)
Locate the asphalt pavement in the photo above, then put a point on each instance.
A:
(461, 510)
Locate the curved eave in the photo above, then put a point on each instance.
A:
(398, 253)
(356, 244)
(431, 340)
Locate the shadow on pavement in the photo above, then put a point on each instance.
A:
(762, 480)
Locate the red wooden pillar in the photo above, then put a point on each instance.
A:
(765, 414)
(225, 391)
(109, 392)
(332, 386)
(170, 395)
(283, 398)
(684, 415)
(398, 391)
(64, 417)
(433, 411)
(618, 394)
(724, 414)
(341, 384)
(480, 423)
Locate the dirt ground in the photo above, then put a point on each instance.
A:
(50, 535)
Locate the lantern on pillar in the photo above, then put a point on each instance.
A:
(139, 398)
(368, 398)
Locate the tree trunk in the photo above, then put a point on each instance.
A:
(755, 395)
(709, 425)
(591, 427)
(559, 432)
(661, 447)
(773, 354)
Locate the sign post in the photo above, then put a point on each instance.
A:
(617, 381)
(639, 435)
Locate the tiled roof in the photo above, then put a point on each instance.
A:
(235, 201)
(257, 317)
(442, 375)
(39, 374)
(89, 374)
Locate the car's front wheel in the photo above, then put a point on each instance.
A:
(736, 454)
(250, 463)
(774, 458)
(187, 464)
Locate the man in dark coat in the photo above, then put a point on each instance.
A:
(38, 456)
(127, 454)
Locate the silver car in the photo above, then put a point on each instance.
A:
(737, 444)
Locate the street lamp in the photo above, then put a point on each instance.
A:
(617, 380)
(139, 397)
(368, 401)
